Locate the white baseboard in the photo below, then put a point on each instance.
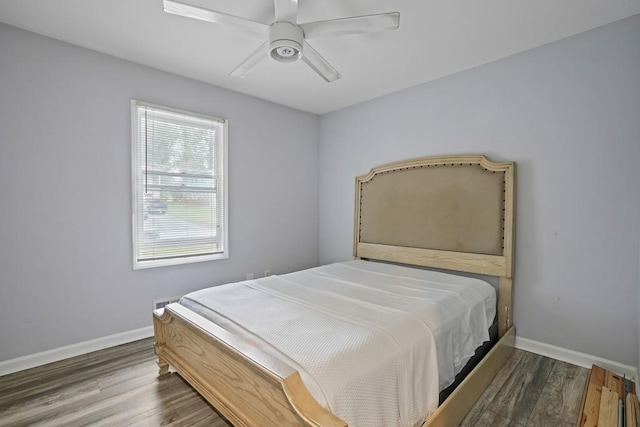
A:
(32, 360)
(575, 357)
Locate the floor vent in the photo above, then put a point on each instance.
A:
(161, 303)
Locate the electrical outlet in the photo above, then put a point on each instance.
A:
(249, 276)
(267, 273)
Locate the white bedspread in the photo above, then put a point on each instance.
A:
(374, 343)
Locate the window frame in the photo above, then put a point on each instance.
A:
(137, 193)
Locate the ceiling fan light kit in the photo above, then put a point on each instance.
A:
(285, 38)
(285, 41)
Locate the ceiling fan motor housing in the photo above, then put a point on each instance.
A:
(285, 41)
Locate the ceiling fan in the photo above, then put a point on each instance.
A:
(286, 39)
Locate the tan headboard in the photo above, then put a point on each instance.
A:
(454, 213)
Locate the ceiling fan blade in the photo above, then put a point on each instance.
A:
(318, 63)
(247, 65)
(353, 25)
(190, 11)
(286, 10)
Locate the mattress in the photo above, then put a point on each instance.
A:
(374, 343)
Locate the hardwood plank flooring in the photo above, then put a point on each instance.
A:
(119, 386)
(531, 390)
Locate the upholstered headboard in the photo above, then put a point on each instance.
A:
(455, 213)
(441, 212)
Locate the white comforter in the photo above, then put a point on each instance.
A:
(374, 343)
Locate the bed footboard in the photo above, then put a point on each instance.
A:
(252, 388)
(248, 386)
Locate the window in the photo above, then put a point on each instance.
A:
(179, 186)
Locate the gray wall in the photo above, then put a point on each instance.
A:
(65, 196)
(569, 114)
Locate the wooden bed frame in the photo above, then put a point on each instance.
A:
(454, 213)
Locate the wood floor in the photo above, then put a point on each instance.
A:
(119, 386)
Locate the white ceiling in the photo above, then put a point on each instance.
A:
(435, 38)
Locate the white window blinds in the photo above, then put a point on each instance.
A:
(179, 186)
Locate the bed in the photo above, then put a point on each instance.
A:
(454, 213)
